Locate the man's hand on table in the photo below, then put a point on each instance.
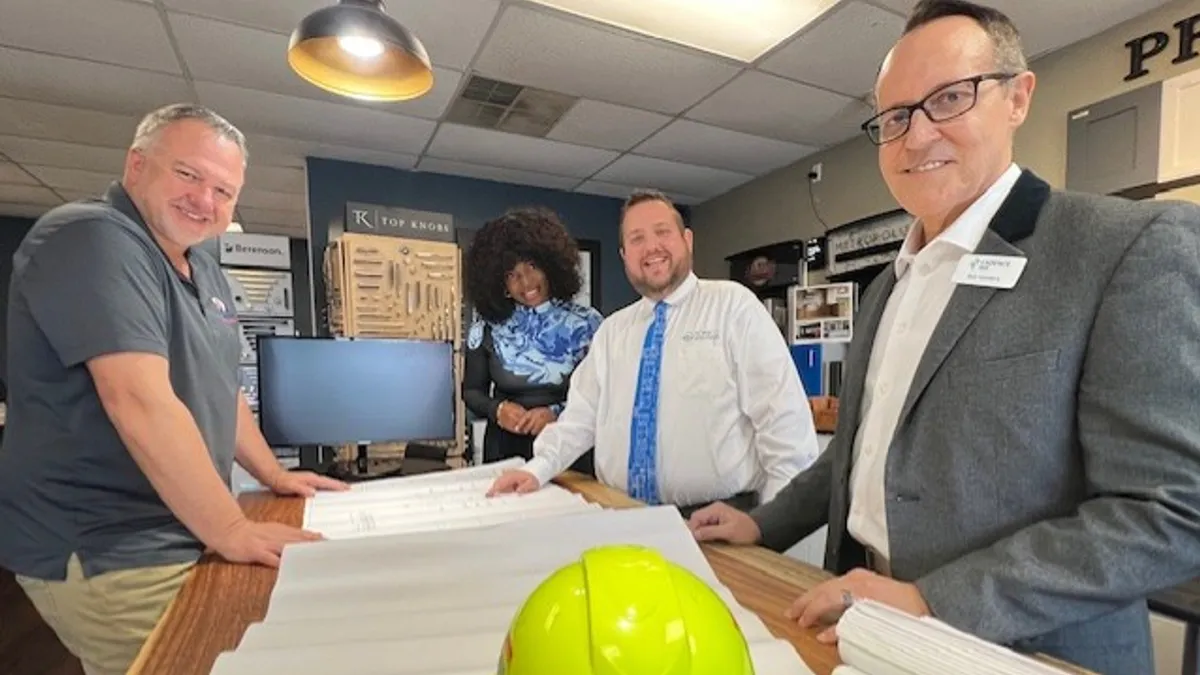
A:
(721, 522)
(514, 480)
(825, 602)
(303, 483)
(262, 543)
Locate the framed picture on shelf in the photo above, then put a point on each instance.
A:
(821, 313)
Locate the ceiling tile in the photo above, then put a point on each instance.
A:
(75, 195)
(451, 30)
(91, 30)
(353, 125)
(526, 153)
(280, 151)
(287, 218)
(277, 150)
(782, 109)
(63, 123)
(14, 175)
(585, 59)
(622, 192)
(278, 17)
(899, 6)
(72, 179)
(822, 56)
(276, 178)
(433, 165)
(695, 143)
(1047, 26)
(267, 199)
(86, 84)
(57, 153)
(22, 210)
(605, 125)
(660, 174)
(28, 194)
(257, 59)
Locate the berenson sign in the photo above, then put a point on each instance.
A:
(1151, 46)
(399, 222)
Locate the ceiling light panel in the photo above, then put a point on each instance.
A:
(743, 30)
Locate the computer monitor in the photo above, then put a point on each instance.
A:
(338, 391)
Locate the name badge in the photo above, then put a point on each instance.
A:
(991, 271)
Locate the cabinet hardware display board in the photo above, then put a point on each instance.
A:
(392, 287)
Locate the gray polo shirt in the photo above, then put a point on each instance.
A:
(89, 280)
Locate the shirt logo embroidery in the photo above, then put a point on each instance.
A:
(710, 335)
(227, 316)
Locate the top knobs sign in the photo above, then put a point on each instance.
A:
(1152, 45)
(398, 222)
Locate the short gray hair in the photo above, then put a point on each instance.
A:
(1001, 31)
(153, 123)
(1006, 39)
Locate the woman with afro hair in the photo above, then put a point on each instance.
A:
(522, 275)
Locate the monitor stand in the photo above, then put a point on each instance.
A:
(418, 458)
(359, 470)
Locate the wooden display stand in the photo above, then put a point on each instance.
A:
(392, 287)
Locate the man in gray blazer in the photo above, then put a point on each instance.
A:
(1018, 452)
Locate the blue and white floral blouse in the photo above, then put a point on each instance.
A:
(528, 358)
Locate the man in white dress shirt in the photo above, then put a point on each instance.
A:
(727, 420)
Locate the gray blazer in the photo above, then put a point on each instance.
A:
(1044, 476)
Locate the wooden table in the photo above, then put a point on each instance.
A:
(220, 600)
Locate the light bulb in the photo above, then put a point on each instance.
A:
(360, 46)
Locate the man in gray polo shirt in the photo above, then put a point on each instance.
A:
(125, 413)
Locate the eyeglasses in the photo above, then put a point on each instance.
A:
(945, 103)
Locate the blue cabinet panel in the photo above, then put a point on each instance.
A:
(808, 363)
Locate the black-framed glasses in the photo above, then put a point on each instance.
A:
(944, 103)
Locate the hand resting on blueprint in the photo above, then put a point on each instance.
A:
(252, 542)
(514, 480)
(303, 483)
(825, 602)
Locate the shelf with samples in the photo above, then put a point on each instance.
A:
(821, 314)
(406, 287)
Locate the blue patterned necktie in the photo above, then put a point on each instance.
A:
(643, 431)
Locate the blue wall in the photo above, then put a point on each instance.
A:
(472, 202)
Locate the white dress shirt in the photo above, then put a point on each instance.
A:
(732, 414)
(924, 284)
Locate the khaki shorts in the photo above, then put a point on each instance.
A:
(105, 619)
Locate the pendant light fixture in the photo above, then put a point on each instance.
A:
(355, 49)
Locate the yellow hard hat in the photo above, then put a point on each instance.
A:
(624, 610)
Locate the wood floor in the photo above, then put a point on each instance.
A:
(27, 645)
